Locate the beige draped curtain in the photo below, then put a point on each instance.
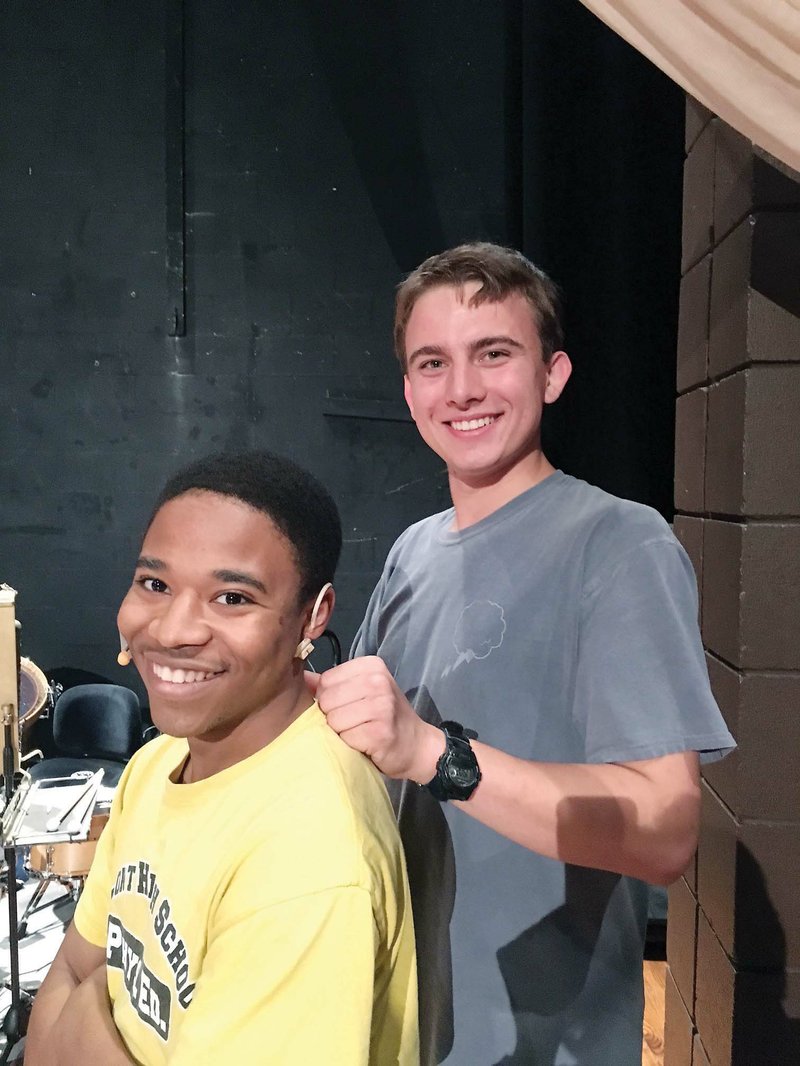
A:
(741, 58)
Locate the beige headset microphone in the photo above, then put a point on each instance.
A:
(124, 657)
(305, 647)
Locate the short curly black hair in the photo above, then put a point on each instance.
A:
(294, 501)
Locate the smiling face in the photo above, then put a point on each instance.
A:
(476, 385)
(212, 619)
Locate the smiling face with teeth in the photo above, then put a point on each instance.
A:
(476, 385)
(213, 619)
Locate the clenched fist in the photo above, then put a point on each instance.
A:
(364, 705)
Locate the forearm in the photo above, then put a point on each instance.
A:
(638, 819)
(71, 1023)
(85, 1030)
(48, 1004)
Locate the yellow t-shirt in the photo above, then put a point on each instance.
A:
(259, 916)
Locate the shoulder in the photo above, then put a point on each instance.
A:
(610, 528)
(340, 829)
(410, 554)
(613, 515)
(349, 796)
(609, 520)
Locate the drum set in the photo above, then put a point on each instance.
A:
(61, 861)
(49, 823)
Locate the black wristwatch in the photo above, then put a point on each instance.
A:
(457, 771)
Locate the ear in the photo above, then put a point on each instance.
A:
(558, 371)
(319, 614)
(407, 394)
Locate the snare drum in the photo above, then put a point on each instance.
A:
(70, 858)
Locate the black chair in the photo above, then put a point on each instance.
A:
(94, 727)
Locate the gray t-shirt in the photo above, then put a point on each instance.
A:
(563, 627)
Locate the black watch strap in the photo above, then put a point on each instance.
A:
(457, 771)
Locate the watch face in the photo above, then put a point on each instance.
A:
(463, 775)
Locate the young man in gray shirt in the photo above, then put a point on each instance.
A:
(560, 624)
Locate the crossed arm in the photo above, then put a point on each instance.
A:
(71, 1023)
(272, 990)
(635, 818)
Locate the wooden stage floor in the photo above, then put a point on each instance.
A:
(653, 1036)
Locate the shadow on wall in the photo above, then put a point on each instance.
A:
(561, 946)
(763, 1033)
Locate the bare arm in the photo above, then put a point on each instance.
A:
(637, 818)
(75, 961)
(71, 1022)
(85, 1030)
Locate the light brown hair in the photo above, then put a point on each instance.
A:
(500, 271)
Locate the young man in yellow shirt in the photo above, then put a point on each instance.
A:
(248, 901)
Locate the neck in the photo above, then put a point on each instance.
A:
(475, 499)
(210, 754)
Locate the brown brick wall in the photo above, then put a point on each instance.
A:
(733, 939)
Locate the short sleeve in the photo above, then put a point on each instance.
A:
(642, 687)
(290, 983)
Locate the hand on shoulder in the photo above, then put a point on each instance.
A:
(364, 705)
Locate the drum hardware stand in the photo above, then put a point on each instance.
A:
(15, 1022)
(13, 815)
(32, 907)
(73, 883)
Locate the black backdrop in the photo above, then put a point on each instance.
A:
(312, 153)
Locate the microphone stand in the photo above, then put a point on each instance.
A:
(15, 1022)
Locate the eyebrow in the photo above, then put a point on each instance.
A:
(235, 577)
(147, 562)
(238, 577)
(493, 342)
(474, 346)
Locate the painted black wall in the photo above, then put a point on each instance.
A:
(328, 148)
